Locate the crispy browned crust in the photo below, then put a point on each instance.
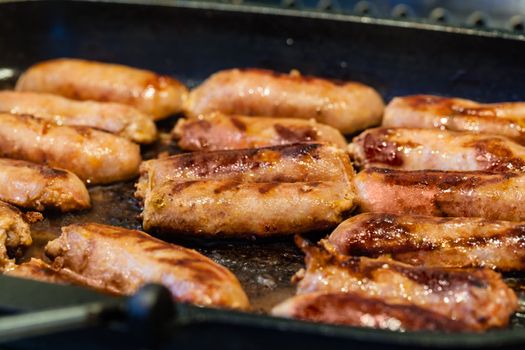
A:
(434, 241)
(356, 310)
(96, 157)
(156, 95)
(39, 187)
(486, 301)
(426, 111)
(216, 131)
(120, 261)
(346, 106)
(442, 193)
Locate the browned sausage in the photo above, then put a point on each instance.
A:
(346, 106)
(115, 118)
(39, 187)
(352, 309)
(95, 156)
(245, 192)
(419, 149)
(155, 95)
(216, 131)
(426, 111)
(307, 162)
(477, 297)
(434, 241)
(120, 261)
(440, 193)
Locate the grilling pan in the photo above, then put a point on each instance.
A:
(191, 40)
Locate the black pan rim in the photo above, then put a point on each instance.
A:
(492, 338)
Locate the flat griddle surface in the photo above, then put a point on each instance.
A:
(191, 44)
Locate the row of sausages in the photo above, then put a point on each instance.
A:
(273, 144)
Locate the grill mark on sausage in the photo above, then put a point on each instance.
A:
(296, 133)
(181, 186)
(378, 149)
(267, 187)
(239, 124)
(226, 186)
(442, 180)
(383, 234)
(494, 155)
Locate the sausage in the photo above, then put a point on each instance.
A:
(492, 196)
(39, 187)
(307, 162)
(241, 193)
(95, 156)
(419, 149)
(346, 106)
(433, 241)
(227, 208)
(477, 297)
(426, 111)
(120, 261)
(15, 233)
(216, 131)
(115, 118)
(352, 309)
(156, 95)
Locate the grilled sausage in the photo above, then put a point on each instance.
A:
(308, 162)
(425, 111)
(227, 208)
(156, 95)
(438, 193)
(39, 187)
(418, 149)
(120, 261)
(352, 309)
(217, 131)
(479, 298)
(95, 156)
(346, 106)
(115, 118)
(433, 241)
(14, 232)
(246, 192)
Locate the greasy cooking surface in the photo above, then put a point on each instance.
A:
(381, 57)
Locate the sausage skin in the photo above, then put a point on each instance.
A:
(96, 157)
(346, 106)
(420, 149)
(352, 309)
(426, 111)
(115, 118)
(434, 241)
(156, 95)
(477, 297)
(38, 187)
(216, 131)
(120, 261)
(307, 162)
(493, 196)
(245, 192)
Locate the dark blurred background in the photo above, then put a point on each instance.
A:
(503, 15)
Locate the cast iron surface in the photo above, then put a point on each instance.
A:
(191, 42)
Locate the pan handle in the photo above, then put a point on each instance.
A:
(148, 309)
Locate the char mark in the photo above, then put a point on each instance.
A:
(296, 133)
